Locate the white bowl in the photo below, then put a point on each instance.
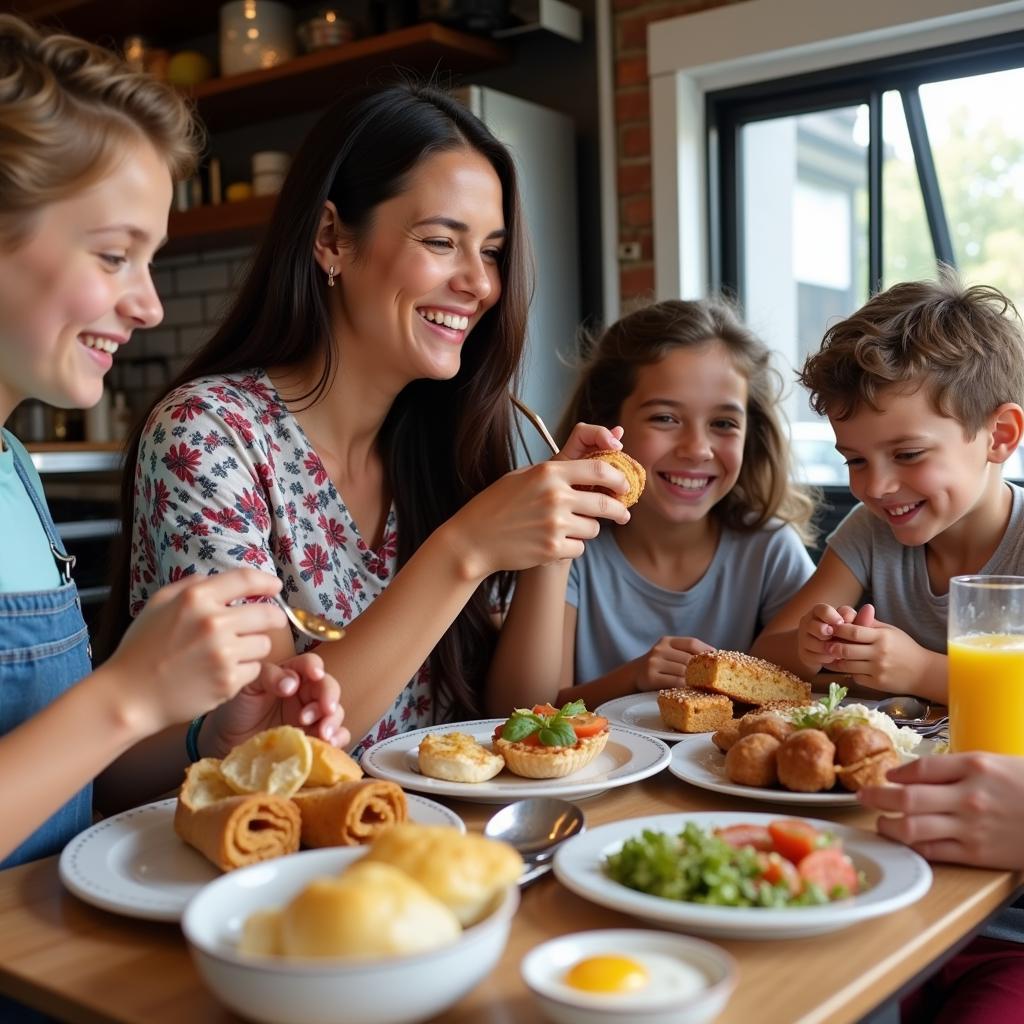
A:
(544, 967)
(397, 990)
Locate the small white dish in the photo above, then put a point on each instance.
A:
(133, 863)
(896, 877)
(544, 968)
(393, 990)
(639, 711)
(628, 757)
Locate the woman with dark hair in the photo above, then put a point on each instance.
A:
(348, 426)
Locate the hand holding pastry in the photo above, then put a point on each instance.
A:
(664, 665)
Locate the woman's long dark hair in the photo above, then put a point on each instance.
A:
(442, 441)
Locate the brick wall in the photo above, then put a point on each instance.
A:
(632, 117)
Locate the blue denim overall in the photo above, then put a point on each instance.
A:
(44, 651)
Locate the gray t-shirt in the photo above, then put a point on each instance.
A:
(895, 577)
(621, 614)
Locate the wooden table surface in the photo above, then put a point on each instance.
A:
(84, 965)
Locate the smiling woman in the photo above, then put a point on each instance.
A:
(347, 429)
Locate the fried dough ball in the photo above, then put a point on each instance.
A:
(858, 742)
(871, 771)
(766, 722)
(751, 760)
(806, 762)
(727, 735)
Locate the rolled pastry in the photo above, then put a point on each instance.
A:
(240, 830)
(349, 813)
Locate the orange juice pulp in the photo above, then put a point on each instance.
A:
(986, 693)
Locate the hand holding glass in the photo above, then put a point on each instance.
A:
(986, 664)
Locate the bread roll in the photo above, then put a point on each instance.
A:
(457, 757)
(371, 910)
(240, 830)
(349, 813)
(273, 761)
(465, 872)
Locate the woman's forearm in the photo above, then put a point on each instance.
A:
(527, 664)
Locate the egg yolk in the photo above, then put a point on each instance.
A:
(607, 974)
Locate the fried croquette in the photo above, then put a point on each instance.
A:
(871, 771)
(806, 762)
(858, 742)
(727, 735)
(635, 474)
(751, 760)
(767, 722)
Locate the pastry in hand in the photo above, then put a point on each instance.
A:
(465, 872)
(635, 474)
(457, 757)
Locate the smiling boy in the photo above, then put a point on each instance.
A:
(921, 386)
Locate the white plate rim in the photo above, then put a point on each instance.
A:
(906, 878)
(613, 710)
(685, 765)
(94, 883)
(490, 792)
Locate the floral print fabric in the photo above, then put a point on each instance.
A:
(226, 477)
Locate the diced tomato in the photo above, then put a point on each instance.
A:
(756, 836)
(587, 724)
(794, 838)
(776, 869)
(830, 869)
(545, 710)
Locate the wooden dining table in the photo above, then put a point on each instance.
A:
(85, 965)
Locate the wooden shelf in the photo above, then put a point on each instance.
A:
(218, 227)
(313, 80)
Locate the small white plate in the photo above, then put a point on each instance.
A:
(639, 711)
(134, 864)
(628, 757)
(896, 877)
(695, 759)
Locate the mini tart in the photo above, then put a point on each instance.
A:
(550, 762)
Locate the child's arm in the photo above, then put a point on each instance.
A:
(796, 638)
(536, 646)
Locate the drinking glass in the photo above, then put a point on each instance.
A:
(986, 664)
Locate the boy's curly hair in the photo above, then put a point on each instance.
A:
(965, 345)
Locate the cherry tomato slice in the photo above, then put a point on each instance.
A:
(756, 836)
(587, 724)
(831, 870)
(794, 839)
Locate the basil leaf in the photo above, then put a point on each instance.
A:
(576, 707)
(557, 734)
(518, 727)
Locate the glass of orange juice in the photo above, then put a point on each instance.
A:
(986, 664)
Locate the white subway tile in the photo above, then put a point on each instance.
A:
(206, 277)
(183, 311)
(190, 339)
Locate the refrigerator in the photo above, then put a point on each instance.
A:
(543, 144)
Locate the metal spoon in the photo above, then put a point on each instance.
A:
(315, 627)
(903, 710)
(536, 827)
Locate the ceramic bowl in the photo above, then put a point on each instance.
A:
(397, 990)
(661, 1002)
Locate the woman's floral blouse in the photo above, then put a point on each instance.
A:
(226, 477)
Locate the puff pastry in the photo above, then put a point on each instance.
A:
(349, 813)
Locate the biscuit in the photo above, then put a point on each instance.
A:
(634, 473)
(688, 710)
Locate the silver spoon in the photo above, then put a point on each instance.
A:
(316, 627)
(536, 827)
(903, 710)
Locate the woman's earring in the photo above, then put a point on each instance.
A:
(330, 277)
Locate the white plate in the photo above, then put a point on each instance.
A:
(628, 757)
(896, 878)
(695, 759)
(134, 864)
(639, 711)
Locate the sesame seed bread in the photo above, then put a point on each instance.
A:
(688, 710)
(456, 757)
(550, 762)
(745, 678)
(635, 474)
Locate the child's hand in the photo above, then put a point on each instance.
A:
(963, 808)
(191, 648)
(296, 692)
(877, 654)
(815, 633)
(587, 438)
(664, 665)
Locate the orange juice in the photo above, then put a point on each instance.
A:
(986, 693)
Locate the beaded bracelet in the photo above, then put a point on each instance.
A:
(192, 738)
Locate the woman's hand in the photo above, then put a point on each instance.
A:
(963, 808)
(664, 665)
(190, 649)
(587, 438)
(536, 516)
(297, 692)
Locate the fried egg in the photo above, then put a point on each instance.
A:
(641, 977)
